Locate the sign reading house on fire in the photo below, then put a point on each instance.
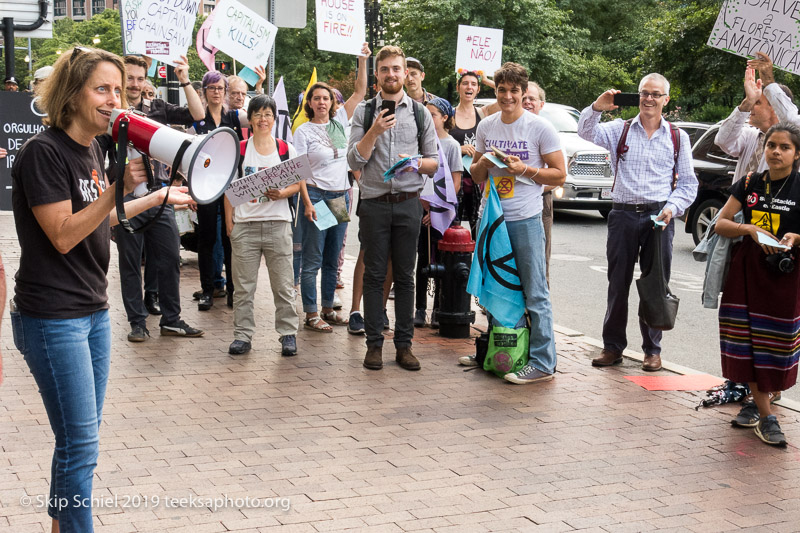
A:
(241, 33)
(340, 26)
(479, 49)
(161, 29)
(745, 27)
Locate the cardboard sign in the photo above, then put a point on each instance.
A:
(340, 26)
(255, 186)
(161, 29)
(479, 49)
(19, 121)
(242, 34)
(744, 27)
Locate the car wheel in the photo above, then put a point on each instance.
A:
(604, 213)
(705, 213)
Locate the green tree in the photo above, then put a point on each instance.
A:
(536, 33)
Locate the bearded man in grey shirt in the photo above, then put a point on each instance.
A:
(390, 212)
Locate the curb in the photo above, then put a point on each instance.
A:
(792, 405)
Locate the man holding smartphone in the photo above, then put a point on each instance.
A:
(643, 186)
(531, 149)
(390, 212)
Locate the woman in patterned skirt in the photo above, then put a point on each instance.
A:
(759, 317)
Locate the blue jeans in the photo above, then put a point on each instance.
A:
(528, 243)
(320, 250)
(69, 360)
(297, 239)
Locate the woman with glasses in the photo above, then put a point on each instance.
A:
(63, 207)
(324, 140)
(215, 89)
(263, 227)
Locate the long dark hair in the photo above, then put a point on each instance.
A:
(794, 136)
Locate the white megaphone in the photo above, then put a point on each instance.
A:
(209, 162)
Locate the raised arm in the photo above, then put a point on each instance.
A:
(193, 101)
(361, 83)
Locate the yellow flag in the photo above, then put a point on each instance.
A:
(300, 115)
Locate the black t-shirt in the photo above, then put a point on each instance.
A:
(466, 136)
(228, 119)
(51, 168)
(785, 203)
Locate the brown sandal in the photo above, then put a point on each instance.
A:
(315, 323)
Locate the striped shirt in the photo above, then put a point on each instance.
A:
(645, 173)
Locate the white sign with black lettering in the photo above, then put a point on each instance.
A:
(161, 29)
(256, 185)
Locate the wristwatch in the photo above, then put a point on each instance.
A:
(185, 84)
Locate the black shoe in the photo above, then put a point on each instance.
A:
(238, 347)
(218, 293)
(288, 345)
(386, 324)
(205, 303)
(180, 329)
(151, 303)
(229, 301)
(138, 333)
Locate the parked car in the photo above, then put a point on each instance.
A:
(589, 174)
(714, 169)
(695, 130)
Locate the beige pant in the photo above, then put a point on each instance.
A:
(249, 242)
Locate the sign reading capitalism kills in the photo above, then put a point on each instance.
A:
(161, 29)
(744, 27)
(239, 32)
(19, 122)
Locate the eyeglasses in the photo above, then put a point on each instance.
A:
(76, 52)
(655, 96)
(214, 88)
(259, 116)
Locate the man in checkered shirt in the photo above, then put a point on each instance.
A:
(643, 186)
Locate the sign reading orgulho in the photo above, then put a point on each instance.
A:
(242, 34)
(745, 27)
(161, 29)
(254, 187)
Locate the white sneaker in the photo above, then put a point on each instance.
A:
(337, 302)
(467, 360)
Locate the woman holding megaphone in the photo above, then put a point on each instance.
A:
(63, 207)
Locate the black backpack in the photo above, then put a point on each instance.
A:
(419, 117)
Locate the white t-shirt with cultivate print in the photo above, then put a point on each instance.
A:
(529, 137)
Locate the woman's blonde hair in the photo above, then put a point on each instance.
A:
(60, 92)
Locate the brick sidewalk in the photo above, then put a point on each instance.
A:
(436, 450)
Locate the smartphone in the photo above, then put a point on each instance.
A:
(626, 99)
(389, 104)
(499, 154)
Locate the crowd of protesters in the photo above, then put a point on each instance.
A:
(63, 198)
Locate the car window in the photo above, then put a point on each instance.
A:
(561, 119)
(706, 150)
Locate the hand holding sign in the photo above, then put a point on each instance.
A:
(763, 64)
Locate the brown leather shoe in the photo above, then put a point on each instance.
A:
(406, 359)
(607, 358)
(374, 358)
(652, 362)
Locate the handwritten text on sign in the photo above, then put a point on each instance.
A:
(254, 187)
(745, 27)
(479, 48)
(161, 29)
(340, 26)
(242, 34)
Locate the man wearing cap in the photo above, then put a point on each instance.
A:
(416, 75)
(11, 84)
(40, 75)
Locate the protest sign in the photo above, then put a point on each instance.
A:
(254, 187)
(20, 121)
(744, 27)
(161, 29)
(479, 49)
(241, 33)
(340, 26)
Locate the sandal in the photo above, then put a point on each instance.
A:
(334, 319)
(316, 323)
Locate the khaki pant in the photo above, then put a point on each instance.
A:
(249, 242)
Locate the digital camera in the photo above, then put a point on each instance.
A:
(782, 262)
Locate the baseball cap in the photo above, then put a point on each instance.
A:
(43, 73)
(11, 79)
(412, 62)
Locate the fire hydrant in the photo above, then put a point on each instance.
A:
(454, 312)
